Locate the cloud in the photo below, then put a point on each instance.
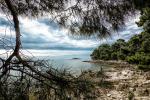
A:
(48, 36)
(41, 34)
(4, 22)
(128, 30)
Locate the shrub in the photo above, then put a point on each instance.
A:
(144, 67)
(145, 60)
(114, 56)
(130, 95)
(139, 58)
(121, 56)
(132, 59)
(103, 52)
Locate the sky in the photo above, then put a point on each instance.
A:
(45, 35)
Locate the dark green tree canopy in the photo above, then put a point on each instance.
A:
(136, 50)
(145, 19)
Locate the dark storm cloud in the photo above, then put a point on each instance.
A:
(43, 34)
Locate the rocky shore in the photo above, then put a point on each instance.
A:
(106, 62)
(122, 82)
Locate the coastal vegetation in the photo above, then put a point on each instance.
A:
(135, 51)
(22, 78)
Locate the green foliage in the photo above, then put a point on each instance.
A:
(119, 44)
(121, 56)
(130, 95)
(146, 45)
(133, 59)
(144, 67)
(114, 55)
(116, 51)
(134, 51)
(102, 52)
(106, 85)
(139, 58)
(134, 44)
(95, 54)
(145, 19)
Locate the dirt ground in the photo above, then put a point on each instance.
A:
(123, 82)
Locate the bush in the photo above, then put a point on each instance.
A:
(130, 95)
(135, 51)
(114, 56)
(133, 59)
(144, 67)
(103, 52)
(145, 60)
(121, 56)
(95, 54)
(139, 58)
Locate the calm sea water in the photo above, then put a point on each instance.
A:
(63, 59)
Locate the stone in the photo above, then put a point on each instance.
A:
(108, 95)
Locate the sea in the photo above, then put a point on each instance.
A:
(71, 60)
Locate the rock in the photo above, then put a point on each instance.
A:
(114, 98)
(146, 83)
(122, 86)
(108, 95)
(142, 92)
(134, 85)
(131, 89)
(147, 77)
(75, 58)
(146, 92)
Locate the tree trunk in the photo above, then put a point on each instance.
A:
(16, 25)
(14, 14)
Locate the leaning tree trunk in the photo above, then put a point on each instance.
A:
(16, 25)
(14, 14)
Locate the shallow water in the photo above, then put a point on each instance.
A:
(63, 59)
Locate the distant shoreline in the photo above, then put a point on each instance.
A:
(106, 61)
